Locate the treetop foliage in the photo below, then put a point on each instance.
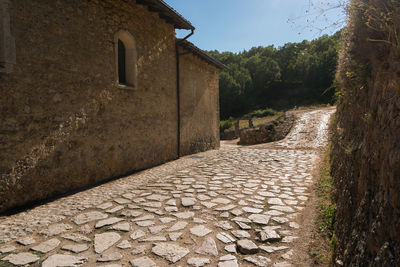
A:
(280, 78)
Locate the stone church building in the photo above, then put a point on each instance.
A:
(96, 89)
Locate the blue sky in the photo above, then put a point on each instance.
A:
(235, 25)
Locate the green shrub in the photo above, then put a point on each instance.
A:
(262, 113)
(226, 124)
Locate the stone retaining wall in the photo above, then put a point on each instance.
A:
(269, 132)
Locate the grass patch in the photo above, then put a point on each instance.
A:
(260, 113)
(6, 264)
(321, 250)
(243, 124)
(324, 192)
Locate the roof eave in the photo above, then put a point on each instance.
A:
(167, 13)
(201, 54)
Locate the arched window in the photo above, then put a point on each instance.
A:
(126, 56)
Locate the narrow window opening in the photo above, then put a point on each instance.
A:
(121, 62)
(125, 59)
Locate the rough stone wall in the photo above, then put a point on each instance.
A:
(64, 122)
(268, 132)
(366, 141)
(199, 105)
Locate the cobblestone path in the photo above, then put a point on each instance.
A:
(238, 206)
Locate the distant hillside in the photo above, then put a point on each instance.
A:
(280, 78)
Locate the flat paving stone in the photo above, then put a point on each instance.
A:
(104, 241)
(184, 215)
(283, 208)
(167, 220)
(180, 225)
(280, 220)
(138, 250)
(208, 204)
(260, 219)
(198, 262)
(131, 213)
(225, 208)
(107, 222)
(231, 248)
(171, 252)
(143, 218)
(123, 227)
(240, 234)
(152, 204)
(175, 236)
(26, 241)
(76, 237)
(145, 223)
(225, 238)
(273, 213)
(269, 235)
(221, 200)
(275, 201)
(158, 238)
(21, 258)
(112, 256)
(156, 229)
(247, 246)
(228, 261)
(171, 209)
(198, 220)
(251, 210)
(7, 249)
(200, 230)
(89, 217)
(47, 246)
(272, 249)
(236, 212)
(171, 202)
(208, 247)
(122, 201)
(63, 260)
(188, 201)
(258, 260)
(143, 262)
(105, 206)
(243, 226)
(115, 209)
(203, 197)
(137, 234)
(225, 225)
(75, 248)
(157, 197)
(55, 229)
(124, 245)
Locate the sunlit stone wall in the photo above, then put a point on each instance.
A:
(65, 124)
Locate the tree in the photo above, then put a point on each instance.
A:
(294, 74)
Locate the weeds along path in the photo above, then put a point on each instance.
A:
(238, 206)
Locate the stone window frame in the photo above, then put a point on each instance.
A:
(7, 42)
(130, 59)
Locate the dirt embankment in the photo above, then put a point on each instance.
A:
(366, 143)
